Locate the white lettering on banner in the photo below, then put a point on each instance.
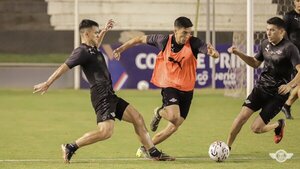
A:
(202, 78)
(226, 61)
(200, 61)
(227, 78)
(145, 61)
(138, 61)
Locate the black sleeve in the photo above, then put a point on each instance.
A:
(198, 46)
(287, 21)
(294, 53)
(259, 56)
(76, 58)
(158, 40)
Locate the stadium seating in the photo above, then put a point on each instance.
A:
(24, 15)
(158, 14)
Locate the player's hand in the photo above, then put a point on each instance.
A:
(41, 88)
(212, 51)
(284, 89)
(232, 49)
(109, 25)
(117, 54)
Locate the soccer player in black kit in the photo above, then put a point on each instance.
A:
(292, 21)
(106, 103)
(280, 57)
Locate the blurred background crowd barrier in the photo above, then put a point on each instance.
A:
(47, 26)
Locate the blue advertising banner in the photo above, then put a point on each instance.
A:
(137, 63)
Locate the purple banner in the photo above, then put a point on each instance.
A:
(136, 66)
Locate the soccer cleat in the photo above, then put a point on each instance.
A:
(163, 157)
(287, 112)
(142, 152)
(279, 131)
(156, 119)
(67, 153)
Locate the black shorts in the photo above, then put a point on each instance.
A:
(270, 105)
(183, 99)
(107, 105)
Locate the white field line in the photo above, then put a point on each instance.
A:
(135, 159)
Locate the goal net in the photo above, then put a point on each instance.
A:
(238, 88)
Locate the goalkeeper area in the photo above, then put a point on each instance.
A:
(33, 127)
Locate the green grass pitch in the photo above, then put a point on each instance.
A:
(32, 128)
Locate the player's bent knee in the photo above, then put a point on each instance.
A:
(173, 129)
(256, 129)
(106, 134)
(176, 121)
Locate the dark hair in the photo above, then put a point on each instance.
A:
(277, 22)
(183, 22)
(86, 23)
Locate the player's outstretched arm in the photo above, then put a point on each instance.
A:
(108, 26)
(137, 40)
(251, 61)
(43, 87)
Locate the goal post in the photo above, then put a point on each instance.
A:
(76, 44)
(250, 74)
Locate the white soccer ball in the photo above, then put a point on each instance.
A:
(143, 85)
(218, 151)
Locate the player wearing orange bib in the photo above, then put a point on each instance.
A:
(174, 72)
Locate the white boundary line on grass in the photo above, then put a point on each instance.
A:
(131, 159)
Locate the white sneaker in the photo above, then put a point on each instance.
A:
(142, 152)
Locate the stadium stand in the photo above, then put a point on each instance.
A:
(230, 14)
(24, 15)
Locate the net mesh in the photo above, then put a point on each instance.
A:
(238, 88)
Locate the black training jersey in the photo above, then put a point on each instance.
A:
(292, 20)
(93, 65)
(279, 62)
(160, 41)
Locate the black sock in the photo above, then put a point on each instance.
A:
(158, 112)
(287, 106)
(154, 152)
(72, 146)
